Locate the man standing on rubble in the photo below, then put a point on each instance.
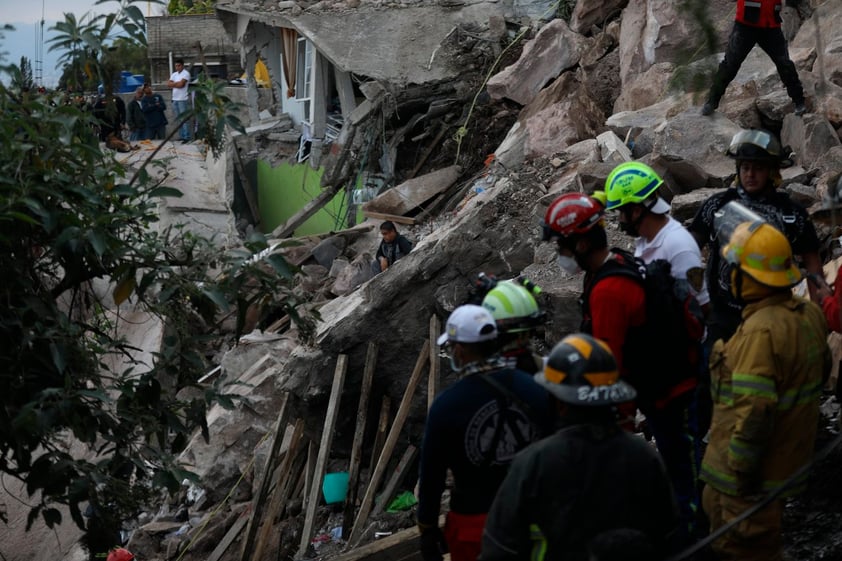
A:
(757, 22)
(474, 429)
(589, 477)
(766, 384)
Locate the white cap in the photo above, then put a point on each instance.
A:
(660, 207)
(469, 324)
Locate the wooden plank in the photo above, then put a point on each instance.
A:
(433, 378)
(265, 479)
(324, 452)
(247, 188)
(282, 489)
(212, 374)
(380, 436)
(389, 446)
(278, 324)
(229, 537)
(400, 545)
(395, 480)
(359, 433)
(393, 217)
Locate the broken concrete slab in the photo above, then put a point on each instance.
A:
(414, 192)
(555, 49)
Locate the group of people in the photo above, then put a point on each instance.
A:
(548, 465)
(146, 117)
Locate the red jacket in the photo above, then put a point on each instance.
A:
(830, 305)
(759, 13)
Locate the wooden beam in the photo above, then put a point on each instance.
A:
(324, 452)
(395, 480)
(309, 470)
(302, 215)
(278, 324)
(389, 446)
(380, 436)
(433, 378)
(265, 479)
(359, 433)
(283, 486)
(229, 537)
(393, 217)
(429, 150)
(400, 545)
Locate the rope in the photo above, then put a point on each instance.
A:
(774, 494)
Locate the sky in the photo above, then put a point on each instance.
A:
(25, 15)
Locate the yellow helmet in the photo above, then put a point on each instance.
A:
(763, 253)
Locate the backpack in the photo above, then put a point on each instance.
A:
(663, 356)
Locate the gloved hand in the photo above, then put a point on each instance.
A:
(432, 544)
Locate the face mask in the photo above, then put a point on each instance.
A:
(453, 365)
(568, 265)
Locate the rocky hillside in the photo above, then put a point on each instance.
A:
(621, 80)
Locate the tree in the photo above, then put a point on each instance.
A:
(25, 82)
(71, 213)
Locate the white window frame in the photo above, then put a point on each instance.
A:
(304, 70)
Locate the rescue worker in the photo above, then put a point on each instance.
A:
(517, 315)
(474, 428)
(759, 157)
(589, 477)
(766, 384)
(757, 22)
(631, 189)
(614, 310)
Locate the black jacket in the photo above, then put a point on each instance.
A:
(580, 482)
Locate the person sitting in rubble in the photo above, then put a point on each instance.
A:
(392, 247)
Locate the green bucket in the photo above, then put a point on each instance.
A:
(335, 487)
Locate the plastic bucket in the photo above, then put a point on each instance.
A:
(335, 487)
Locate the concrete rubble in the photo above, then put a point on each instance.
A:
(561, 140)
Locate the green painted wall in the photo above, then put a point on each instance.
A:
(284, 190)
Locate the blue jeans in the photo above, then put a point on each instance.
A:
(180, 107)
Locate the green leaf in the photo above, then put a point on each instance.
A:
(124, 289)
(97, 242)
(57, 354)
(280, 265)
(216, 297)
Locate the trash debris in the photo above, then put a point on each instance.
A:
(404, 501)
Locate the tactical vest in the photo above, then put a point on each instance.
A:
(759, 13)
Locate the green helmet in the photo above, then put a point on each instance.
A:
(630, 182)
(513, 307)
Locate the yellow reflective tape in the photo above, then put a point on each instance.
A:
(553, 375)
(602, 378)
(585, 349)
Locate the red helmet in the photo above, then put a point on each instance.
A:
(120, 554)
(573, 213)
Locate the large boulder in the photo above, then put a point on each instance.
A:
(645, 89)
(810, 137)
(702, 140)
(662, 31)
(649, 117)
(561, 115)
(555, 49)
(823, 28)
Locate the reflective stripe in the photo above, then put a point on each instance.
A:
(539, 545)
(808, 393)
(721, 481)
(750, 384)
(754, 4)
(724, 395)
(740, 449)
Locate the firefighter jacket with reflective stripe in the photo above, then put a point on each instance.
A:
(759, 13)
(766, 382)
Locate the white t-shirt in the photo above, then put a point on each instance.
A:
(678, 246)
(180, 94)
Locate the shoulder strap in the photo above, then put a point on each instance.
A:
(510, 397)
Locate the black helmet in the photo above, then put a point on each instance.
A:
(758, 145)
(581, 370)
